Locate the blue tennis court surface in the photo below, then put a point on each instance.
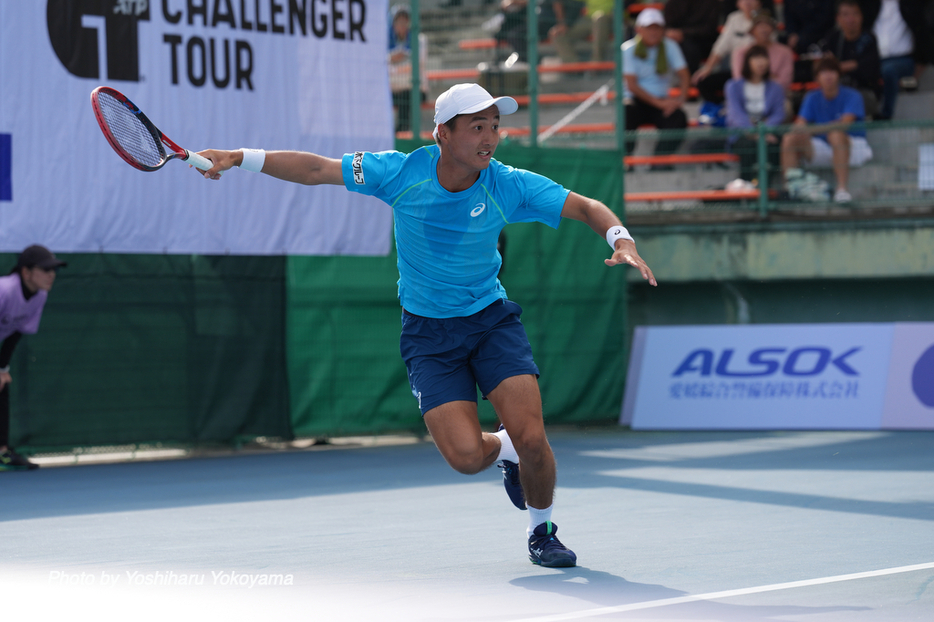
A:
(810, 526)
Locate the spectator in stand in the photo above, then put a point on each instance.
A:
(905, 43)
(515, 25)
(650, 60)
(714, 73)
(694, 25)
(400, 66)
(806, 23)
(595, 21)
(822, 137)
(751, 101)
(781, 58)
(858, 54)
(733, 5)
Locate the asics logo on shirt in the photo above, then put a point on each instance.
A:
(478, 210)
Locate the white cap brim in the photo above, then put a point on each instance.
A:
(505, 105)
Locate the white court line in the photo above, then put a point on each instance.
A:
(667, 602)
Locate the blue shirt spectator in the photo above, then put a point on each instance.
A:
(817, 108)
(832, 108)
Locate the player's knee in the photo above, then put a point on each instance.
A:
(838, 138)
(465, 468)
(466, 462)
(531, 445)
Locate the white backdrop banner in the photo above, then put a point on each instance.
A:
(791, 376)
(275, 74)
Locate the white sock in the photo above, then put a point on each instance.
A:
(508, 452)
(537, 517)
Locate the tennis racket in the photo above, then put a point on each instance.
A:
(133, 136)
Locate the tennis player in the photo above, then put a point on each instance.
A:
(23, 293)
(459, 330)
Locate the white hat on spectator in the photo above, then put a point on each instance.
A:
(649, 17)
(467, 98)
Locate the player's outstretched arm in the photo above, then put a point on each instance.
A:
(299, 167)
(600, 218)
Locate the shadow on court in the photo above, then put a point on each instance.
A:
(603, 589)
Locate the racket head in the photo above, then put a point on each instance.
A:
(130, 132)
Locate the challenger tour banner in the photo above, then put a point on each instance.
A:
(791, 376)
(273, 74)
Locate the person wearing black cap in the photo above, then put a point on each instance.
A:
(23, 293)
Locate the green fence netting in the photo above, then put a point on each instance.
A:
(154, 348)
(345, 372)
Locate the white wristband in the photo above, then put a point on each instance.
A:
(5, 370)
(616, 233)
(253, 160)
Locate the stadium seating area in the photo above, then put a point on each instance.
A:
(462, 48)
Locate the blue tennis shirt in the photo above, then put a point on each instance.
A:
(446, 241)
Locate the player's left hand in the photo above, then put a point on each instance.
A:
(5, 379)
(626, 254)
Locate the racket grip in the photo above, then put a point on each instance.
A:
(198, 161)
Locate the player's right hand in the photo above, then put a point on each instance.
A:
(223, 161)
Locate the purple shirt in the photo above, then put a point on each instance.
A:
(16, 313)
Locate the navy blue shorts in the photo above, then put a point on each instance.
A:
(447, 359)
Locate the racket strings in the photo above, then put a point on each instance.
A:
(131, 134)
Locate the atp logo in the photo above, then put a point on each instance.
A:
(97, 38)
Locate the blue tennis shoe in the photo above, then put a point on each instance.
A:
(512, 484)
(546, 550)
(511, 481)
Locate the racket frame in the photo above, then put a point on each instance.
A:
(162, 141)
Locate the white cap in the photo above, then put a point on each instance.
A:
(649, 17)
(467, 98)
